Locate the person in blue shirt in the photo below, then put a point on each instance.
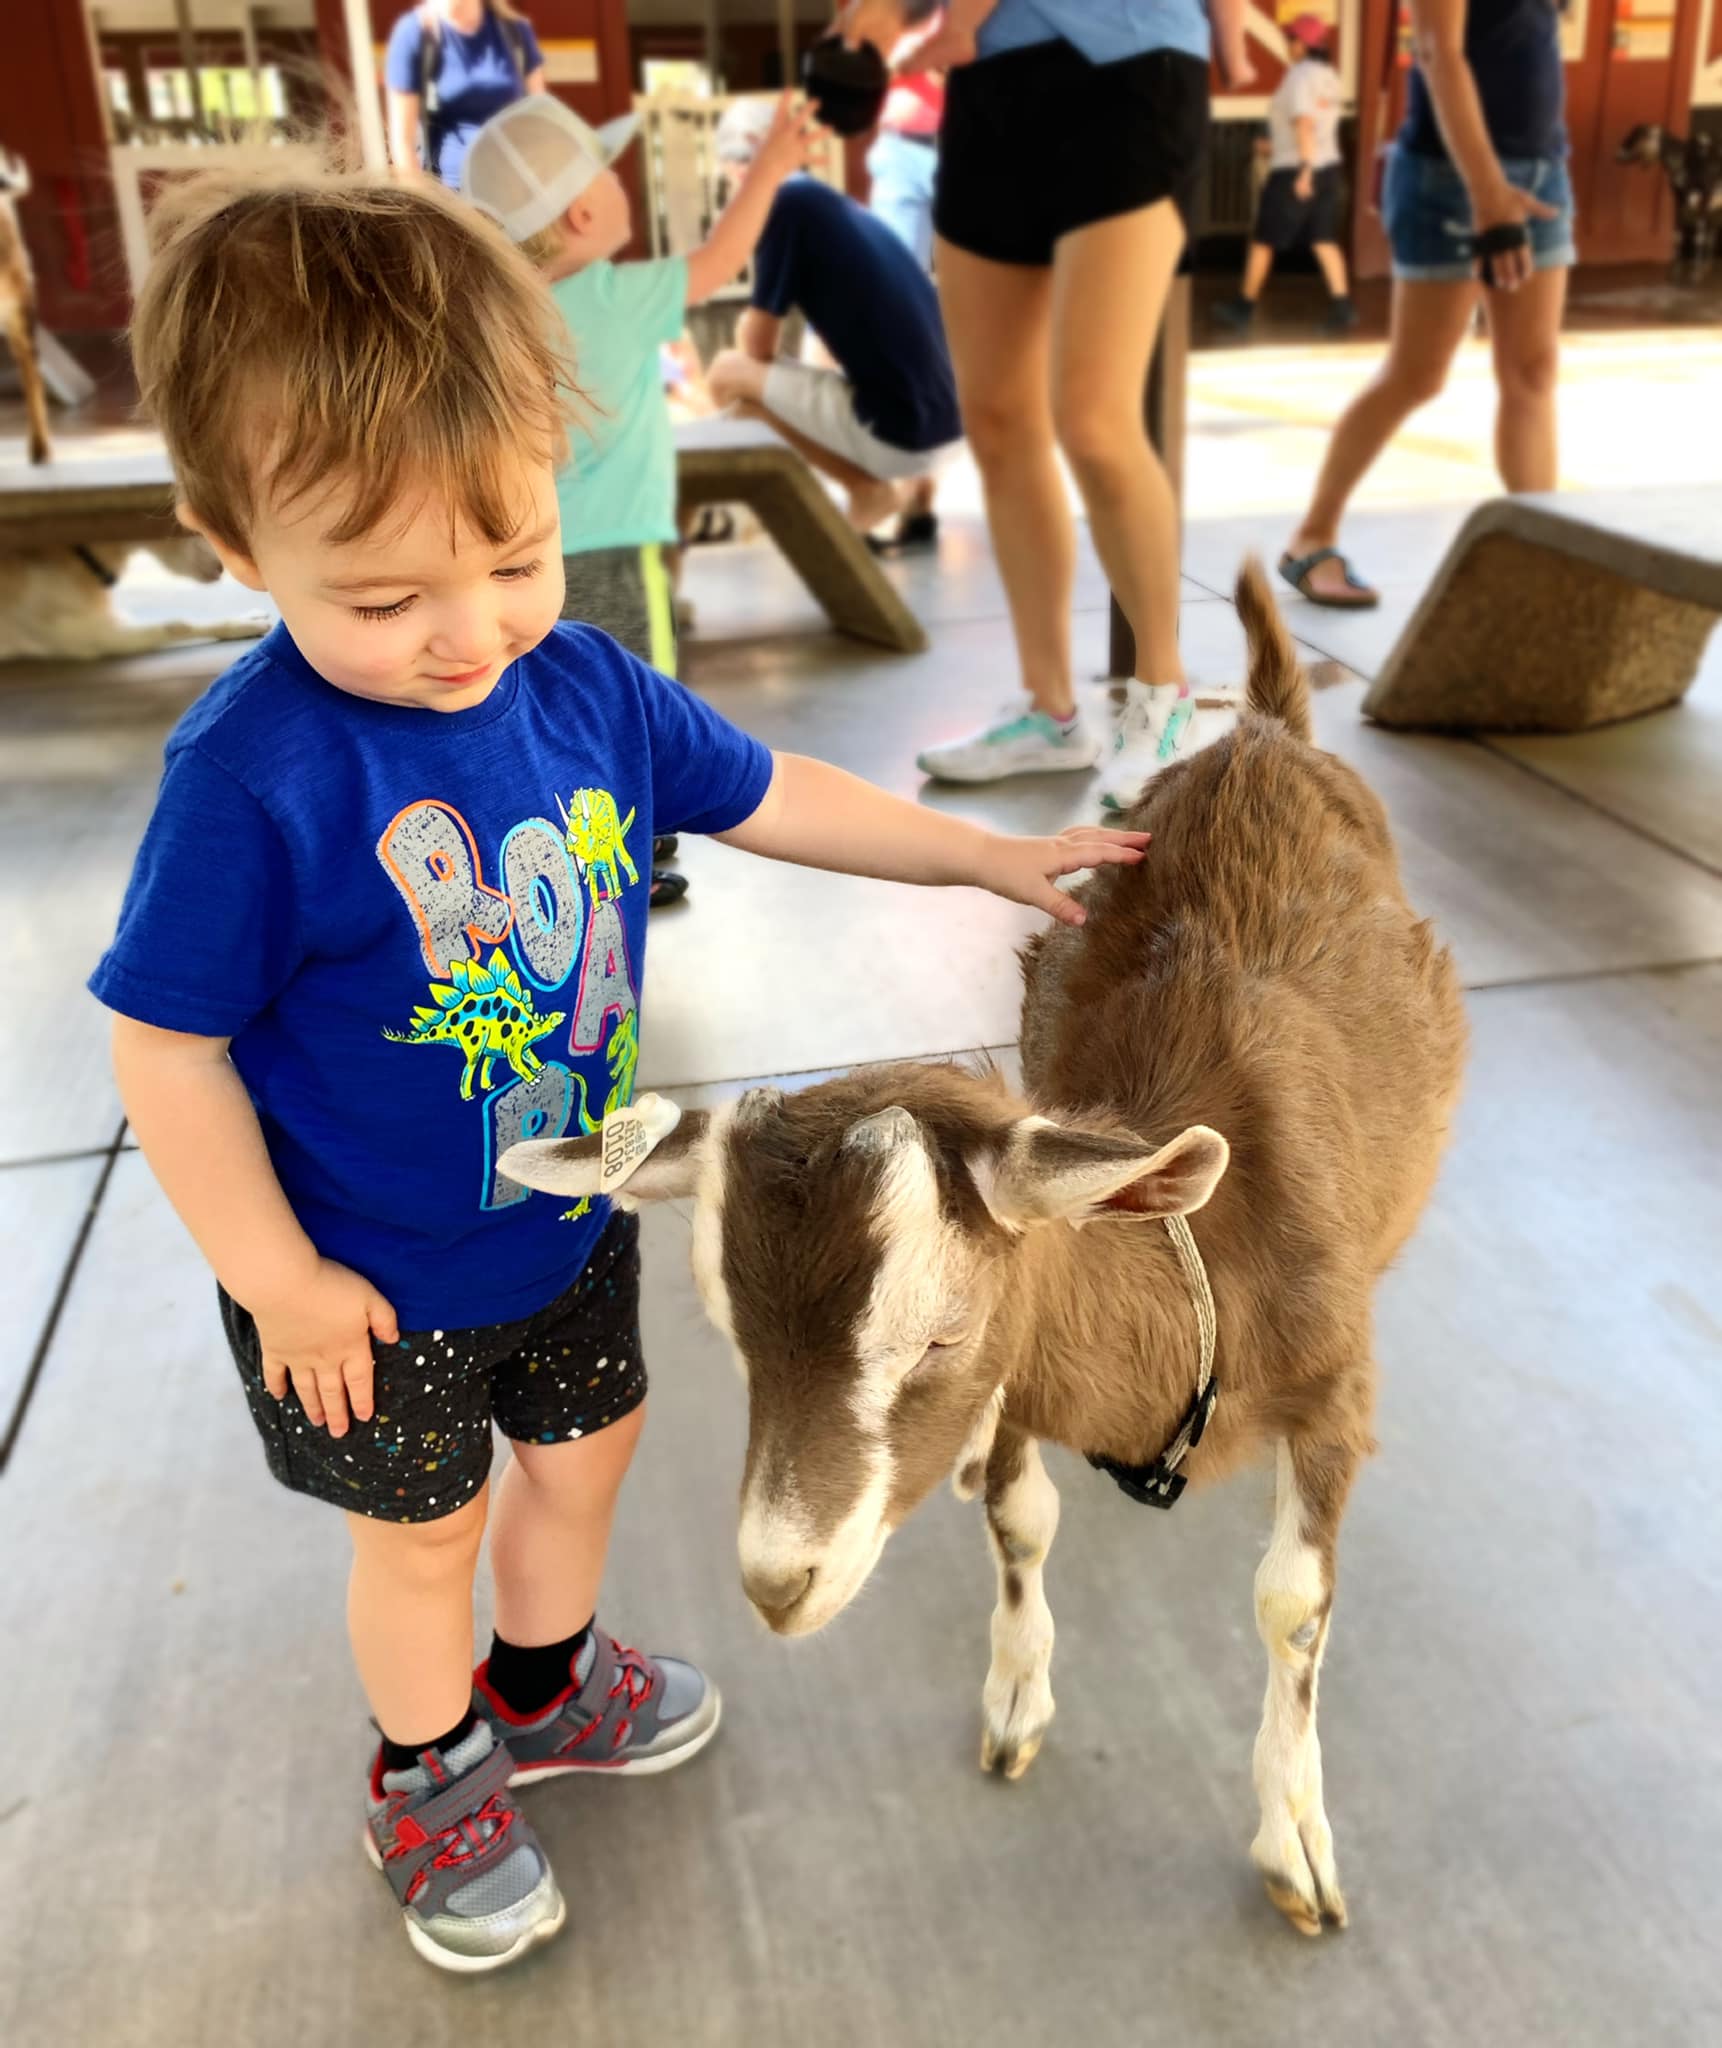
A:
(1070, 167)
(451, 64)
(879, 421)
(387, 920)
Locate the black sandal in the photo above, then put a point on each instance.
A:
(1296, 571)
(915, 530)
(667, 887)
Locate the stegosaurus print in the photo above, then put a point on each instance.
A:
(486, 1011)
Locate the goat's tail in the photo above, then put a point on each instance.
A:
(1278, 687)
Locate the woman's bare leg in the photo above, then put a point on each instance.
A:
(998, 321)
(1428, 323)
(1110, 283)
(1525, 335)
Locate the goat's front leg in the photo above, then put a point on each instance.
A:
(1022, 1518)
(1293, 1848)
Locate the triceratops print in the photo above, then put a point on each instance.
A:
(597, 837)
(483, 1011)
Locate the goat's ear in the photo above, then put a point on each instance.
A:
(571, 1166)
(1046, 1173)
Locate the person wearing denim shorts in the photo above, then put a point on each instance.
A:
(1483, 146)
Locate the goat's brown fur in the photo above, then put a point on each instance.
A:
(1261, 973)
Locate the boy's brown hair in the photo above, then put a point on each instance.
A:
(339, 327)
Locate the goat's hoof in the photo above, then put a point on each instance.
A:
(1298, 1873)
(1007, 1757)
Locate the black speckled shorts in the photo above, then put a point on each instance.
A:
(573, 1368)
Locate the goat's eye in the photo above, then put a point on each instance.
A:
(934, 1347)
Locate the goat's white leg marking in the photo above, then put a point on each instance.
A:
(1022, 1518)
(1293, 1848)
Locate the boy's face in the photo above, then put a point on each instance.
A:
(408, 614)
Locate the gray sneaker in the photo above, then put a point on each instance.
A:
(475, 1889)
(628, 1713)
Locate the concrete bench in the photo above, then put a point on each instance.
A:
(742, 462)
(1559, 613)
(84, 495)
(99, 496)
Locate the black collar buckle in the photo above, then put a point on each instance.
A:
(1159, 1484)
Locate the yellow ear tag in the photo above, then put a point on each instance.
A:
(630, 1135)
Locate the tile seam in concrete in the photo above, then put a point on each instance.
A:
(1577, 975)
(961, 1052)
(55, 1158)
(51, 1322)
(1602, 810)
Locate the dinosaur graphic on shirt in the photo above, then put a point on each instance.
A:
(483, 1011)
(621, 1056)
(598, 839)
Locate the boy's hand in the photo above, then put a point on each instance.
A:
(790, 139)
(319, 1337)
(1023, 870)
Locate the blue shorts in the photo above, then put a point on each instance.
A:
(1427, 213)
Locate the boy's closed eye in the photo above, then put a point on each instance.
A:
(516, 572)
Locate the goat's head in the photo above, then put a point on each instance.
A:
(855, 1242)
(1643, 145)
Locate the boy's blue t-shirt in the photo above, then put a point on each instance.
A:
(871, 304)
(474, 76)
(618, 487)
(425, 935)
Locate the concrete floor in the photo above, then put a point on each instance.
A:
(1524, 1761)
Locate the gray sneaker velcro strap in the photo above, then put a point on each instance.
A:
(419, 1847)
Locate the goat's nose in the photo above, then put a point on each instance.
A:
(775, 1592)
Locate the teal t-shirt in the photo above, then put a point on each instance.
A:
(618, 487)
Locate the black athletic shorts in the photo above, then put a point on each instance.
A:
(573, 1368)
(1038, 142)
(1284, 221)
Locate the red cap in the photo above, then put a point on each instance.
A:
(1310, 30)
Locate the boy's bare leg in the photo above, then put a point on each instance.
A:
(550, 1531)
(409, 1613)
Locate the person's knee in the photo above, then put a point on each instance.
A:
(1530, 373)
(1417, 383)
(999, 430)
(1099, 443)
(426, 1553)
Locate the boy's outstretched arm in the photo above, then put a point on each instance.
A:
(723, 255)
(824, 817)
(189, 1111)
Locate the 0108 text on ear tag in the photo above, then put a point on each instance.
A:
(629, 1136)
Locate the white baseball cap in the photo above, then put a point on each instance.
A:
(527, 165)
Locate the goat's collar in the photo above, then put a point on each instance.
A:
(1159, 1484)
(96, 566)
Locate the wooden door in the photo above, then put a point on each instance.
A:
(1624, 76)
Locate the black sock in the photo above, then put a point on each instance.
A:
(401, 1756)
(527, 1680)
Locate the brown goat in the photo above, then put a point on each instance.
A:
(922, 1274)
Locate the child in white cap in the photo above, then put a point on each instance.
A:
(545, 176)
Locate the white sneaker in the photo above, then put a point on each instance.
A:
(1019, 741)
(1156, 727)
